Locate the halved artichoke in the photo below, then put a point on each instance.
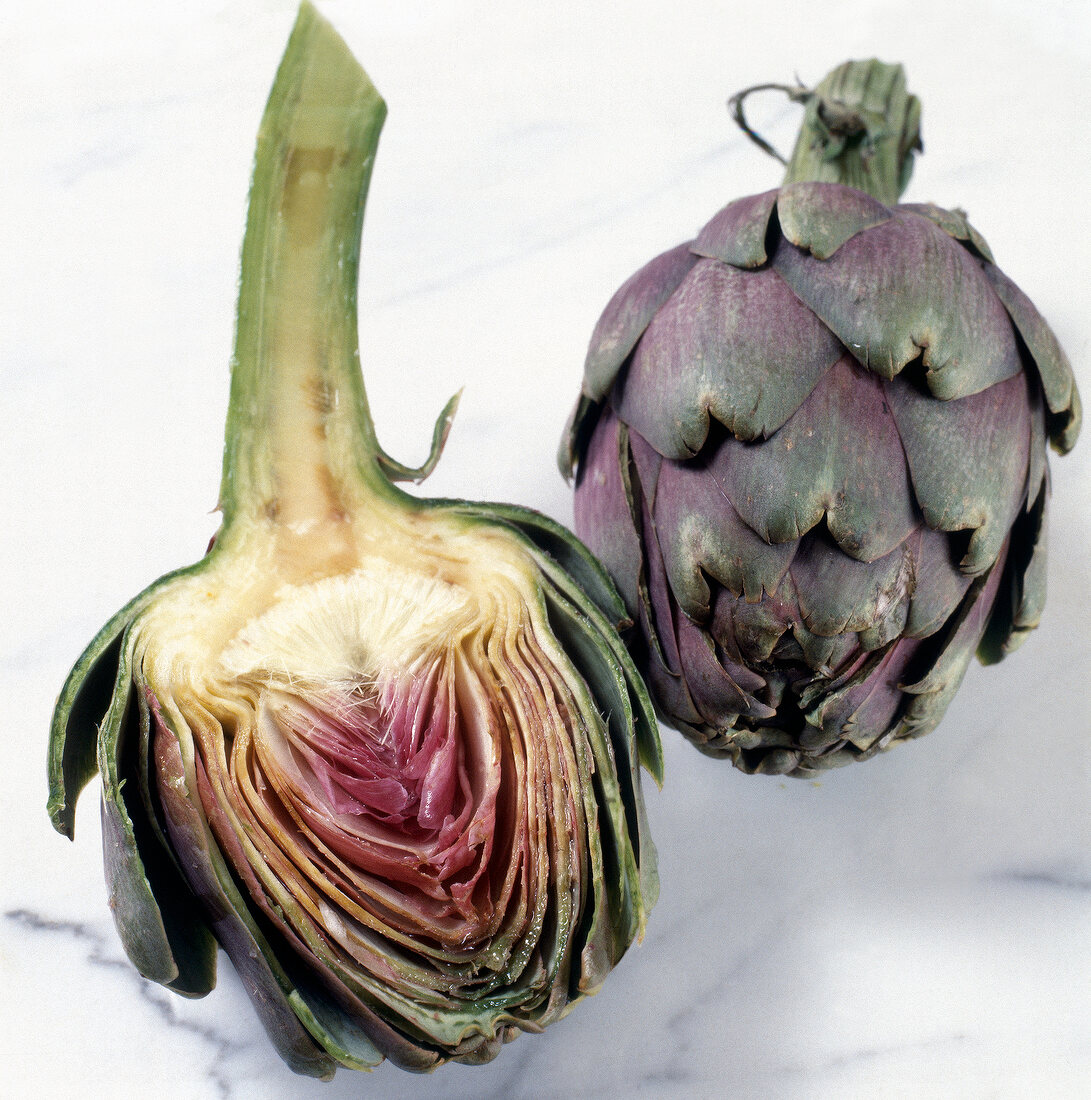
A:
(384, 750)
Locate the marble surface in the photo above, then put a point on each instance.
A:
(919, 926)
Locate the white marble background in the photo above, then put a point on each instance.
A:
(919, 926)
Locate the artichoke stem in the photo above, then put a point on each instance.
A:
(300, 449)
(861, 128)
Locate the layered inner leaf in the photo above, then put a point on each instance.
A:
(398, 768)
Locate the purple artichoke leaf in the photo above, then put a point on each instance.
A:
(702, 536)
(655, 593)
(822, 653)
(578, 431)
(1037, 469)
(939, 583)
(946, 310)
(968, 460)
(839, 456)
(737, 234)
(669, 691)
(731, 345)
(607, 525)
(821, 217)
(935, 689)
(1054, 368)
(955, 224)
(838, 594)
(755, 628)
(627, 314)
(861, 710)
(618, 543)
(711, 679)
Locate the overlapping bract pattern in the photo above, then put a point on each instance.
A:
(811, 451)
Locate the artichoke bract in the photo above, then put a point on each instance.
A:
(811, 451)
(385, 751)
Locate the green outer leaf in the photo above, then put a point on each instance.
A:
(904, 289)
(168, 943)
(84, 699)
(1054, 369)
(736, 235)
(821, 217)
(735, 346)
(335, 1031)
(398, 471)
(632, 718)
(968, 461)
(629, 874)
(954, 223)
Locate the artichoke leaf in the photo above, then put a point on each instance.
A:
(839, 457)
(968, 460)
(946, 310)
(398, 471)
(1054, 368)
(935, 690)
(82, 704)
(735, 346)
(627, 870)
(608, 527)
(821, 217)
(737, 234)
(954, 223)
(1022, 592)
(264, 979)
(608, 652)
(157, 918)
(627, 314)
(702, 535)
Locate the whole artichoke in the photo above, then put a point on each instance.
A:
(384, 750)
(811, 451)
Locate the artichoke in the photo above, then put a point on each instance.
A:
(385, 751)
(811, 451)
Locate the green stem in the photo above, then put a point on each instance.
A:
(300, 442)
(861, 128)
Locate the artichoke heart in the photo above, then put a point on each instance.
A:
(384, 751)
